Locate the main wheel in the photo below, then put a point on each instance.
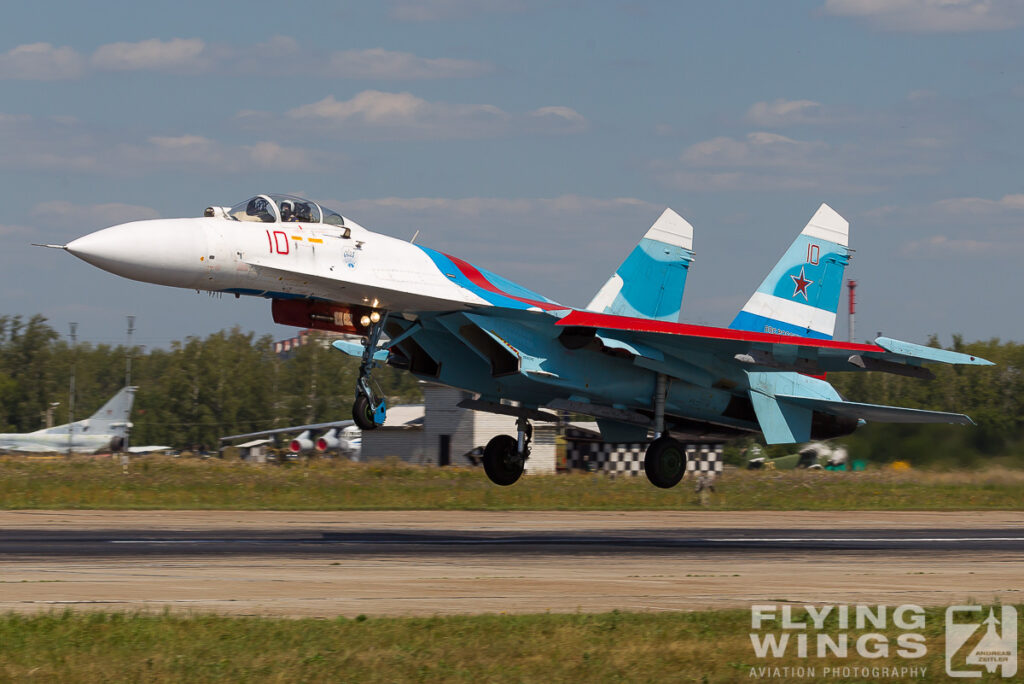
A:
(665, 462)
(362, 413)
(502, 461)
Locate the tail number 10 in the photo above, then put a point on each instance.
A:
(278, 242)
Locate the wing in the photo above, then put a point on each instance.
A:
(293, 428)
(656, 340)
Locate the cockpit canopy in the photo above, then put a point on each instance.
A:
(284, 209)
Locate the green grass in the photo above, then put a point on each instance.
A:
(711, 646)
(166, 483)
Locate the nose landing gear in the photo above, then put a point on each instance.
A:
(368, 411)
(505, 456)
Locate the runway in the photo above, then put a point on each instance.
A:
(441, 562)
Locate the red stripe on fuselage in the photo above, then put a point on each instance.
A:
(477, 278)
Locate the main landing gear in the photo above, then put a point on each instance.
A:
(665, 460)
(505, 456)
(368, 411)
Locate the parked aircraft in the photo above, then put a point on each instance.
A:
(106, 429)
(341, 436)
(624, 359)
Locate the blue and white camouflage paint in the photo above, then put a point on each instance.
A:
(651, 280)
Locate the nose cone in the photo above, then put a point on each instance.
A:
(163, 251)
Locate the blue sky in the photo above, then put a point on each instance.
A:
(536, 139)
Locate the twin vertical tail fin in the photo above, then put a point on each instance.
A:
(801, 294)
(650, 282)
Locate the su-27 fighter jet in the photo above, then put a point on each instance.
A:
(624, 359)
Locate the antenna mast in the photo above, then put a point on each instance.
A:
(852, 284)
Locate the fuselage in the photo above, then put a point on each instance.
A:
(59, 440)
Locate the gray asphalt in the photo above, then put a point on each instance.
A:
(37, 543)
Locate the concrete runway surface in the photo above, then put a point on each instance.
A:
(333, 563)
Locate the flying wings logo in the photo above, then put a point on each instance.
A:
(816, 640)
(996, 649)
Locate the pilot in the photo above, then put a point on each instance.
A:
(303, 213)
(287, 211)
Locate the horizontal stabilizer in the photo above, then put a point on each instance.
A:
(874, 412)
(930, 354)
(781, 423)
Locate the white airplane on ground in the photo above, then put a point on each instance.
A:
(105, 430)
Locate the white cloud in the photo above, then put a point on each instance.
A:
(279, 55)
(442, 10)
(782, 112)
(381, 64)
(203, 154)
(13, 229)
(960, 225)
(932, 16)
(565, 115)
(942, 246)
(405, 115)
(477, 207)
(40, 62)
(152, 54)
(759, 161)
(65, 215)
(758, 149)
(1007, 204)
(66, 145)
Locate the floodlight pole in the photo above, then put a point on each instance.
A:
(71, 388)
(852, 284)
(128, 378)
(128, 360)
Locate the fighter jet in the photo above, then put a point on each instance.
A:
(340, 436)
(104, 430)
(623, 359)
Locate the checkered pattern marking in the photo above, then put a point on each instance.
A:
(628, 459)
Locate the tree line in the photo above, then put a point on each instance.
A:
(189, 394)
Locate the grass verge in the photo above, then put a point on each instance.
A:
(712, 646)
(165, 483)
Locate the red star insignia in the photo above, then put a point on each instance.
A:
(801, 284)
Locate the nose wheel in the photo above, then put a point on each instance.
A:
(505, 456)
(369, 410)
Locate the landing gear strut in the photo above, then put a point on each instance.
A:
(505, 456)
(368, 411)
(665, 460)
